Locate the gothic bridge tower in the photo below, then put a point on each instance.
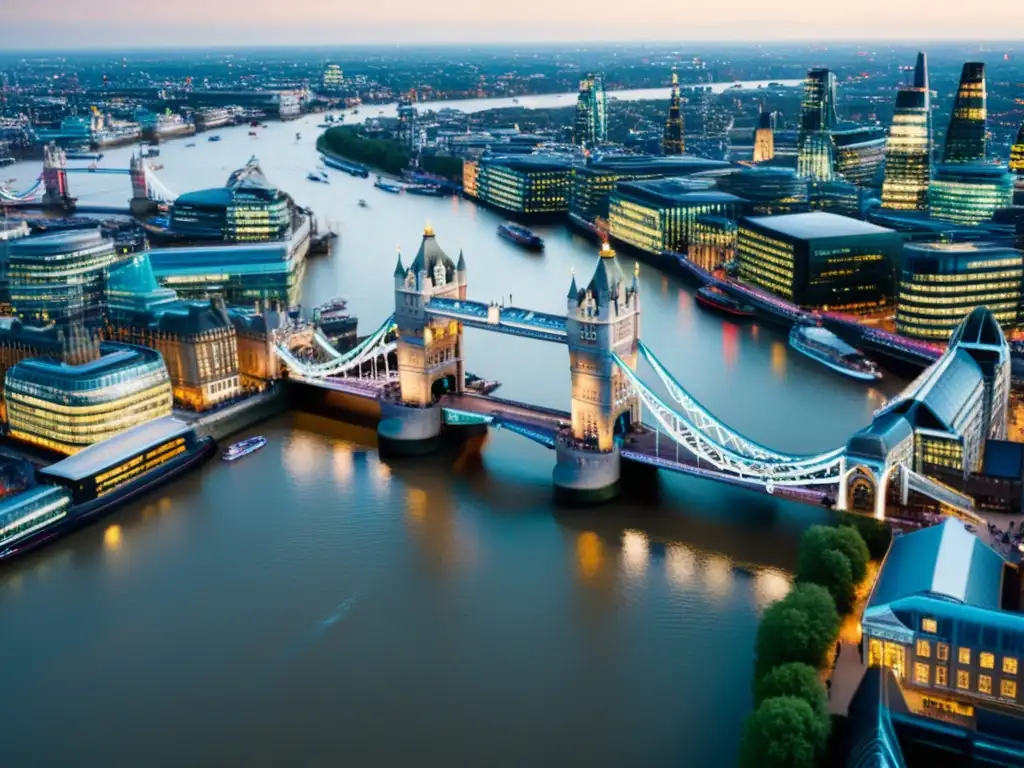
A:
(430, 357)
(603, 320)
(55, 178)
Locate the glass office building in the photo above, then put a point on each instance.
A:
(672, 142)
(941, 283)
(528, 185)
(248, 208)
(1017, 166)
(65, 407)
(965, 139)
(661, 214)
(969, 193)
(815, 149)
(909, 148)
(859, 151)
(819, 260)
(767, 190)
(590, 123)
(59, 276)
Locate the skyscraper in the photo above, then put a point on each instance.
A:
(965, 139)
(815, 150)
(672, 142)
(1017, 166)
(764, 137)
(590, 126)
(908, 150)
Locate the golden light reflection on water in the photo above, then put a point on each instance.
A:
(299, 454)
(681, 564)
(589, 554)
(664, 285)
(779, 360)
(381, 475)
(718, 575)
(416, 504)
(342, 462)
(730, 343)
(635, 552)
(112, 538)
(771, 585)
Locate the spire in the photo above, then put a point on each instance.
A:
(399, 269)
(921, 71)
(461, 265)
(573, 290)
(606, 251)
(428, 231)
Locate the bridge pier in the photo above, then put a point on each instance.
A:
(408, 430)
(583, 475)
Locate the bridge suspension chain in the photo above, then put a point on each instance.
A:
(18, 197)
(705, 422)
(805, 471)
(157, 188)
(368, 349)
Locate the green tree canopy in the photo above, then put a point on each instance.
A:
(831, 569)
(801, 627)
(844, 538)
(877, 534)
(800, 681)
(783, 732)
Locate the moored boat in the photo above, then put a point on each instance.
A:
(214, 138)
(427, 190)
(317, 177)
(713, 297)
(362, 203)
(825, 347)
(521, 236)
(383, 185)
(354, 169)
(243, 448)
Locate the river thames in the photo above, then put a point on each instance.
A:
(315, 605)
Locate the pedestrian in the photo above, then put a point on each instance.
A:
(828, 687)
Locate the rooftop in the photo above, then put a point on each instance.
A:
(100, 456)
(113, 357)
(937, 397)
(881, 437)
(250, 258)
(674, 191)
(58, 242)
(944, 561)
(816, 225)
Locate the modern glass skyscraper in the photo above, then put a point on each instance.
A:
(815, 150)
(1017, 166)
(965, 139)
(590, 126)
(764, 137)
(672, 142)
(908, 150)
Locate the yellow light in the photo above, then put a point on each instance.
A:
(589, 554)
(112, 537)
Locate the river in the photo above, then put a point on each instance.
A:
(312, 604)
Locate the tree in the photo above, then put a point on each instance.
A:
(819, 607)
(831, 569)
(848, 540)
(876, 533)
(800, 681)
(783, 732)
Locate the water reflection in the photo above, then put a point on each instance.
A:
(730, 343)
(342, 463)
(779, 360)
(771, 585)
(681, 564)
(635, 552)
(112, 538)
(300, 455)
(589, 554)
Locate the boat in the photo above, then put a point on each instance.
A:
(81, 155)
(339, 164)
(243, 448)
(362, 203)
(190, 144)
(214, 138)
(828, 349)
(336, 323)
(298, 136)
(323, 175)
(316, 177)
(713, 297)
(480, 386)
(253, 133)
(427, 190)
(392, 188)
(521, 236)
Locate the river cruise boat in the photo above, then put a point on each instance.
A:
(713, 297)
(353, 169)
(243, 448)
(426, 190)
(828, 349)
(90, 484)
(521, 236)
(317, 177)
(83, 155)
(383, 185)
(362, 203)
(214, 138)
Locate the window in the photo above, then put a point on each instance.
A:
(1008, 690)
(941, 676)
(1009, 665)
(942, 652)
(963, 679)
(924, 649)
(964, 655)
(985, 684)
(929, 625)
(922, 674)
(988, 661)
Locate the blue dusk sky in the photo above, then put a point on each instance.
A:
(61, 24)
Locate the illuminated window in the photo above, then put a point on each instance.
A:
(942, 652)
(929, 625)
(964, 655)
(1009, 665)
(922, 674)
(988, 661)
(1008, 690)
(941, 676)
(924, 649)
(963, 680)
(984, 684)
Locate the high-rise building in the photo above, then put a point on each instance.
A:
(908, 150)
(764, 137)
(965, 139)
(672, 143)
(590, 126)
(333, 78)
(969, 193)
(408, 132)
(815, 149)
(1017, 166)
(859, 151)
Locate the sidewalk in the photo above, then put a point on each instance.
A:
(848, 670)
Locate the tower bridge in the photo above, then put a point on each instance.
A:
(944, 416)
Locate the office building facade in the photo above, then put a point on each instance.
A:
(909, 147)
(815, 149)
(1017, 167)
(941, 283)
(527, 185)
(590, 123)
(969, 193)
(672, 142)
(764, 138)
(768, 190)
(966, 141)
(820, 260)
(713, 242)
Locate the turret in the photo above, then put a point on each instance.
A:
(399, 271)
(573, 298)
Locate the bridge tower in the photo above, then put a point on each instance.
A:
(430, 356)
(602, 320)
(55, 177)
(141, 205)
